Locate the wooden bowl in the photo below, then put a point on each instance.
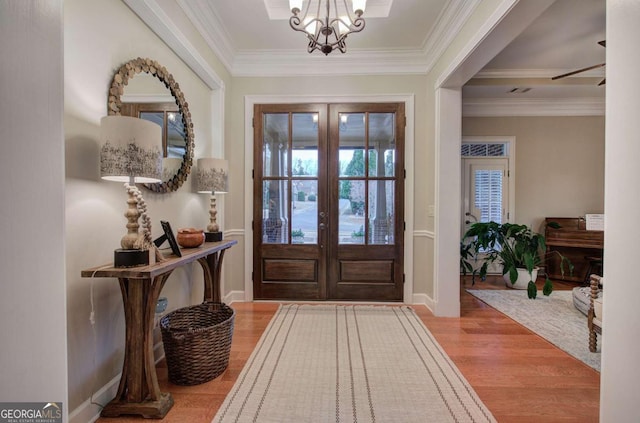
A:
(190, 237)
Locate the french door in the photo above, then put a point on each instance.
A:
(328, 201)
(485, 190)
(485, 194)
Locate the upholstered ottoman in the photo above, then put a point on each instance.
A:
(581, 298)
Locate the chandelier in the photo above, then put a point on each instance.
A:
(329, 32)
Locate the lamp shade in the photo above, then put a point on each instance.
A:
(212, 176)
(131, 150)
(359, 5)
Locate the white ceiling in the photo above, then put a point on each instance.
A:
(409, 40)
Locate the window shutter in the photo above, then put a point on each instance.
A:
(488, 194)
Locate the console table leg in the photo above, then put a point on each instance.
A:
(212, 266)
(139, 391)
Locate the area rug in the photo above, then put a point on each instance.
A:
(554, 318)
(326, 363)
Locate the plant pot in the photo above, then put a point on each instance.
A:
(523, 278)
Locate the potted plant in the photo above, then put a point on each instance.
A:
(297, 236)
(517, 248)
(358, 236)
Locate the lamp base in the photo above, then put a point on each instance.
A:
(212, 236)
(130, 258)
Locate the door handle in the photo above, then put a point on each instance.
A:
(322, 226)
(475, 219)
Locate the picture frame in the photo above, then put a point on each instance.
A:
(168, 236)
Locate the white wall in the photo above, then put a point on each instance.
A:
(559, 163)
(33, 360)
(99, 36)
(621, 314)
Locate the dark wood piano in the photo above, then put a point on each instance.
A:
(574, 242)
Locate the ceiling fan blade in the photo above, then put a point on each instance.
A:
(602, 82)
(578, 71)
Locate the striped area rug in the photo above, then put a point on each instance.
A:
(326, 363)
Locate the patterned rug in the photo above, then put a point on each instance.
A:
(326, 363)
(554, 318)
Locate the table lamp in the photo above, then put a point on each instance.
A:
(131, 152)
(212, 177)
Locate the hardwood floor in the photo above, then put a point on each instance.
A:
(519, 376)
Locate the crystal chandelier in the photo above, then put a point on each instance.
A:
(329, 32)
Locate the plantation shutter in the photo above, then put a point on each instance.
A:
(488, 194)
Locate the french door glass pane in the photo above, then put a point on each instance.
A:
(304, 154)
(275, 146)
(304, 216)
(352, 144)
(275, 212)
(381, 212)
(351, 212)
(381, 144)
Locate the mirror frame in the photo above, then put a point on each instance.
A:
(114, 106)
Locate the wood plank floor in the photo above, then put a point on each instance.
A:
(520, 377)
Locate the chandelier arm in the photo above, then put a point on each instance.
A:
(294, 23)
(346, 8)
(327, 27)
(356, 25)
(318, 10)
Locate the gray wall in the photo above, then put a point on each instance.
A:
(559, 163)
(33, 361)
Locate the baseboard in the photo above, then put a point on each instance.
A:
(89, 412)
(425, 300)
(234, 297)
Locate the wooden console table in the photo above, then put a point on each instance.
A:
(139, 392)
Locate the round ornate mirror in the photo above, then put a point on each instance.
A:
(173, 180)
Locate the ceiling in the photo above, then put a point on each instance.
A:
(407, 36)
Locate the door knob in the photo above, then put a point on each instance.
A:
(322, 226)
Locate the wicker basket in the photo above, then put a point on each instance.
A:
(197, 341)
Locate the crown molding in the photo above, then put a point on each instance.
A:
(201, 14)
(498, 107)
(355, 62)
(448, 25)
(164, 27)
(301, 63)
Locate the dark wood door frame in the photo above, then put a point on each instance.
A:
(352, 265)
